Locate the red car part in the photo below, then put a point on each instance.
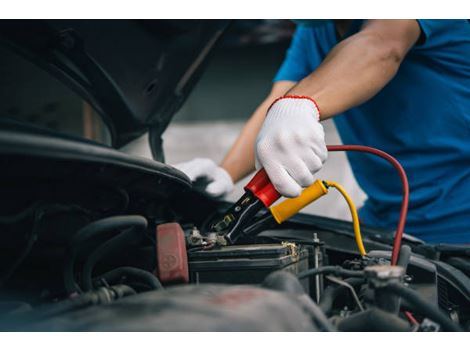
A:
(172, 258)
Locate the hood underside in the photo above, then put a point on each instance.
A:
(135, 73)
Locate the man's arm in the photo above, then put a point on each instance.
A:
(354, 71)
(291, 143)
(289, 139)
(359, 66)
(240, 160)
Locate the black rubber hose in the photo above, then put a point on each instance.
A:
(332, 292)
(333, 270)
(111, 246)
(404, 256)
(422, 307)
(285, 281)
(91, 232)
(131, 273)
(373, 320)
(460, 263)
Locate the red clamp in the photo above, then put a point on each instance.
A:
(262, 188)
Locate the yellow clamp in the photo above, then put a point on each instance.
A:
(286, 209)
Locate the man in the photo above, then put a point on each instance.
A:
(402, 86)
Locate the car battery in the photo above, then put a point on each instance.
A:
(247, 264)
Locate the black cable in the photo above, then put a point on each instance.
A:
(29, 211)
(330, 270)
(423, 307)
(39, 212)
(109, 247)
(124, 199)
(131, 273)
(332, 292)
(92, 232)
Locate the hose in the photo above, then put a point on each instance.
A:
(284, 281)
(93, 231)
(404, 257)
(405, 189)
(355, 218)
(318, 315)
(109, 247)
(287, 282)
(423, 307)
(334, 270)
(373, 320)
(131, 273)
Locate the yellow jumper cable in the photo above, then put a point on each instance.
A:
(284, 210)
(355, 218)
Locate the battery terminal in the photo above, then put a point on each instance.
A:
(292, 247)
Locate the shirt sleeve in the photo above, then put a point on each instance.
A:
(436, 33)
(295, 66)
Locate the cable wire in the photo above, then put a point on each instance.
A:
(355, 218)
(349, 287)
(420, 305)
(405, 189)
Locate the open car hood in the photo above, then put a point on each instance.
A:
(135, 73)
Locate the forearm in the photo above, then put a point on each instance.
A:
(354, 71)
(240, 160)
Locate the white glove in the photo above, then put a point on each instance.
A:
(217, 181)
(291, 144)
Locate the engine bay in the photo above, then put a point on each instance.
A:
(93, 240)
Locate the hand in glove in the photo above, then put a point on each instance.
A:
(291, 144)
(215, 180)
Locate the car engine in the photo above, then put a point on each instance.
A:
(93, 239)
(83, 254)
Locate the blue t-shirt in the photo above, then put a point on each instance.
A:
(421, 117)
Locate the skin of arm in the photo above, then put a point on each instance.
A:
(354, 71)
(358, 67)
